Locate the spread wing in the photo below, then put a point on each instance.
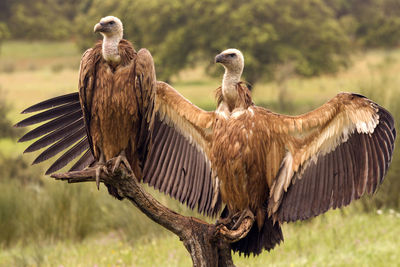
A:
(174, 141)
(333, 155)
(179, 162)
(64, 129)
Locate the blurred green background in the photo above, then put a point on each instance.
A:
(298, 54)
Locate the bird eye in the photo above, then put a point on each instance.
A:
(111, 23)
(232, 55)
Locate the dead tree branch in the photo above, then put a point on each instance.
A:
(207, 244)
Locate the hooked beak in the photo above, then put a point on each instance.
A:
(219, 58)
(98, 27)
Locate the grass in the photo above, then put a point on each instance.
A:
(48, 223)
(340, 238)
(38, 54)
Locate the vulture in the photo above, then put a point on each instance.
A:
(116, 114)
(276, 167)
(288, 168)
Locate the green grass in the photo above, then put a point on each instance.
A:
(49, 223)
(340, 238)
(18, 55)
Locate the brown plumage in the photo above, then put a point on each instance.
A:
(286, 168)
(282, 168)
(121, 112)
(116, 89)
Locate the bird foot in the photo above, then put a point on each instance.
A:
(234, 227)
(224, 221)
(100, 167)
(233, 221)
(122, 159)
(242, 215)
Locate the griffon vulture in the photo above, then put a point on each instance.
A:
(280, 168)
(287, 168)
(113, 116)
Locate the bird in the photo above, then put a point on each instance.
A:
(115, 90)
(279, 168)
(116, 114)
(287, 168)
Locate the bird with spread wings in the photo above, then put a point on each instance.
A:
(278, 168)
(114, 115)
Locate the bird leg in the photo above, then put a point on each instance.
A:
(100, 166)
(243, 214)
(122, 159)
(234, 220)
(242, 222)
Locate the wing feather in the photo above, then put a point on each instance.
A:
(340, 152)
(48, 114)
(179, 170)
(167, 168)
(60, 145)
(86, 160)
(47, 127)
(319, 171)
(53, 102)
(55, 136)
(182, 169)
(174, 168)
(68, 156)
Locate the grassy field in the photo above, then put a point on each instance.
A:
(48, 223)
(339, 238)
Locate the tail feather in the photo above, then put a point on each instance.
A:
(256, 240)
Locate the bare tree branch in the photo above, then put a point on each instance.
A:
(207, 244)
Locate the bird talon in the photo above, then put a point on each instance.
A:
(98, 179)
(242, 215)
(122, 159)
(99, 169)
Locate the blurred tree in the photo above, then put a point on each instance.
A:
(6, 129)
(4, 33)
(269, 32)
(372, 23)
(43, 19)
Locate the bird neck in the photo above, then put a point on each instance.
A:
(229, 83)
(110, 48)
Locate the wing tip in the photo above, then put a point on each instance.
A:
(49, 171)
(18, 125)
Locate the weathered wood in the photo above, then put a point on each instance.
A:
(207, 244)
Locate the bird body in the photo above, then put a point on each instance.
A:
(238, 151)
(116, 88)
(113, 115)
(122, 111)
(288, 168)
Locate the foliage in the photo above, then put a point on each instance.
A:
(33, 209)
(6, 130)
(184, 33)
(314, 36)
(372, 23)
(45, 19)
(4, 32)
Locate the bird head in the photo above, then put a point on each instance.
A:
(109, 26)
(232, 59)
